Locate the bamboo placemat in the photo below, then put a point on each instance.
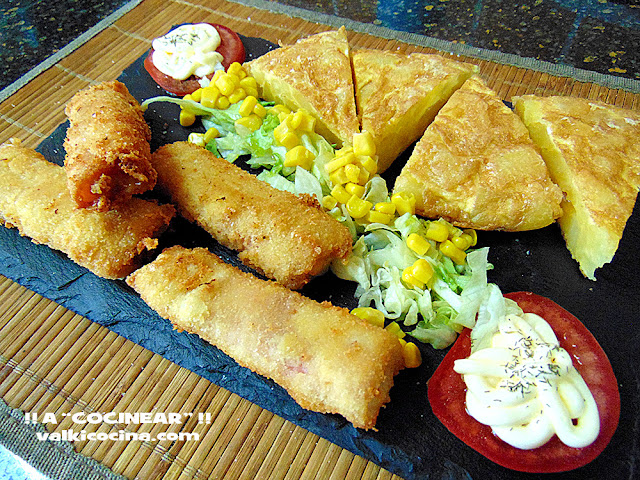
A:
(53, 360)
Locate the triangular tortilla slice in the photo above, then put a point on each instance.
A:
(593, 154)
(477, 167)
(314, 74)
(398, 95)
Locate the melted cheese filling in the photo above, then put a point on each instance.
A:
(525, 387)
(188, 50)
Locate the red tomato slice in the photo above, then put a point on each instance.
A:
(231, 49)
(447, 396)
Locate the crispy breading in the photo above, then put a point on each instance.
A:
(314, 74)
(477, 167)
(327, 359)
(284, 236)
(107, 145)
(592, 152)
(398, 95)
(34, 198)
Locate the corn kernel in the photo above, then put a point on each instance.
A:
(344, 151)
(437, 231)
(225, 84)
(409, 279)
(369, 163)
(251, 91)
(453, 252)
(339, 161)
(278, 109)
(197, 95)
(259, 110)
(209, 96)
(354, 189)
(216, 75)
(386, 207)
(251, 123)
(357, 207)
(299, 156)
(249, 83)
(247, 106)
(237, 95)
(236, 69)
(340, 194)
(329, 202)
(363, 144)
(187, 118)
(422, 271)
(462, 241)
(210, 134)
(196, 138)
(405, 203)
(222, 103)
(352, 172)
(370, 314)
(473, 234)
(418, 243)
(285, 137)
(394, 328)
(363, 177)
(301, 120)
(378, 217)
(411, 354)
(338, 177)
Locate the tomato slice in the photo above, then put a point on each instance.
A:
(231, 49)
(447, 396)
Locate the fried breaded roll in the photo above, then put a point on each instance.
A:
(34, 198)
(286, 237)
(328, 360)
(107, 146)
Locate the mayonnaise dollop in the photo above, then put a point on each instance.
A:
(188, 50)
(525, 387)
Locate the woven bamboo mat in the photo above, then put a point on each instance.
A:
(53, 360)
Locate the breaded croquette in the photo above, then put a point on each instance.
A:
(34, 198)
(107, 146)
(286, 237)
(328, 360)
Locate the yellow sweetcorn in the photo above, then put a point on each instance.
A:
(363, 144)
(358, 207)
(369, 163)
(210, 134)
(418, 243)
(409, 279)
(196, 138)
(370, 314)
(278, 109)
(462, 241)
(237, 69)
(422, 271)
(249, 83)
(404, 202)
(352, 172)
(411, 354)
(385, 207)
(354, 189)
(363, 177)
(473, 234)
(222, 103)
(187, 118)
(437, 231)
(237, 95)
(209, 96)
(299, 157)
(453, 252)
(303, 121)
(329, 202)
(285, 136)
(197, 95)
(226, 84)
(247, 106)
(338, 162)
(395, 328)
(339, 193)
(338, 177)
(378, 217)
(259, 110)
(251, 123)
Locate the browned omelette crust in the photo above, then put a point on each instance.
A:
(477, 167)
(592, 150)
(327, 359)
(284, 236)
(398, 95)
(314, 74)
(34, 198)
(107, 145)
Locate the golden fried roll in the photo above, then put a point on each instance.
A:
(107, 145)
(284, 236)
(34, 198)
(329, 360)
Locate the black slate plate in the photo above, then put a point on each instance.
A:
(410, 441)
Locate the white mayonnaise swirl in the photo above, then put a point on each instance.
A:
(188, 50)
(525, 387)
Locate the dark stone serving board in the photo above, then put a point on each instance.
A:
(409, 440)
